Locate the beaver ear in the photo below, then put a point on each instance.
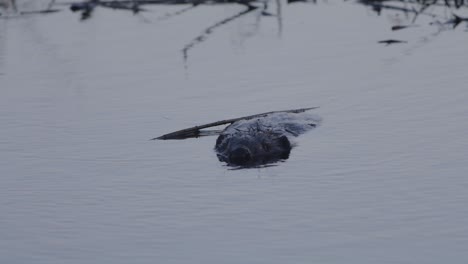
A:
(219, 140)
(284, 142)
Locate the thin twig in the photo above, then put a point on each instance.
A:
(177, 13)
(200, 38)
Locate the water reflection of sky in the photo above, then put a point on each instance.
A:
(3, 34)
(382, 179)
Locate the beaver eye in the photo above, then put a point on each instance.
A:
(266, 147)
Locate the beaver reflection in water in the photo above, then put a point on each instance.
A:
(262, 140)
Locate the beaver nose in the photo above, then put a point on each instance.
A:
(240, 156)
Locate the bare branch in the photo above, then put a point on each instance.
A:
(195, 131)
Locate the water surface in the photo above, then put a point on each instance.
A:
(382, 180)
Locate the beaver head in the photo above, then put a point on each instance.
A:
(251, 149)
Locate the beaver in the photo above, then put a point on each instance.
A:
(262, 140)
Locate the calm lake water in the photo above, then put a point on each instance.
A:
(382, 180)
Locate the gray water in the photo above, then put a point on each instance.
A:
(382, 180)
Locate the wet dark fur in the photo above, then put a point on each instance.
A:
(253, 147)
